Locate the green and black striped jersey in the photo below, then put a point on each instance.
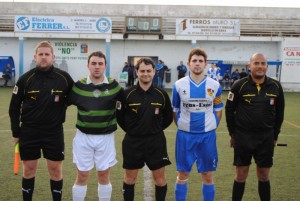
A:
(96, 106)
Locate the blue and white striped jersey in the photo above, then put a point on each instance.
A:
(196, 104)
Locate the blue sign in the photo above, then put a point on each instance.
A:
(23, 23)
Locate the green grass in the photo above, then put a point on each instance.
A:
(285, 174)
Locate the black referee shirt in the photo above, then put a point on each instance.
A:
(255, 109)
(38, 99)
(145, 112)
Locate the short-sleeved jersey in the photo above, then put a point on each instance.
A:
(196, 104)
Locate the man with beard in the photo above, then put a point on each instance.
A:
(254, 114)
(197, 106)
(37, 111)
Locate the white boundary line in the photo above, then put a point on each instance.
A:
(290, 123)
(147, 184)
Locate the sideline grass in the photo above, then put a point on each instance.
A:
(285, 174)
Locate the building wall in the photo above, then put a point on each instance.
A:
(172, 49)
(171, 52)
(76, 9)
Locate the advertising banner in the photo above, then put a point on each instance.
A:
(63, 24)
(208, 27)
(290, 63)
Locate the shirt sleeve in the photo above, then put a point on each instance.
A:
(230, 108)
(69, 89)
(167, 112)
(279, 113)
(218, 104)
(120, 112)
(175, 99)
(15, 107)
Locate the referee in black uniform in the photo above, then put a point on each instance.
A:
(144, 113)
(254, 115)
(37, 111)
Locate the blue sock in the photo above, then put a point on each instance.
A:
(180, 192)
(208, 192)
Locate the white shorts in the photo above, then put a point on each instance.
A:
(89, 149)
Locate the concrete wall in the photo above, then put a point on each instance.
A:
(171, 52)
(14, 8)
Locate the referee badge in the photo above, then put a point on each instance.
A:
(118, 105)
(156, 111)
(272, 101)
(56, 98)
(230, 96)
(15, 90)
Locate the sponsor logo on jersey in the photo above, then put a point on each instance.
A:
(197, 104)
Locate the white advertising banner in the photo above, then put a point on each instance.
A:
(208, 27)
(290, 63)
(63, 24)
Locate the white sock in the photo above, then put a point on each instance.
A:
(104, 192)
(79, 192)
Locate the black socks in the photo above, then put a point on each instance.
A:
(264, 190)
(128, 192)
(238, 191)
(161, 192)
(56, 189)
(27, 188)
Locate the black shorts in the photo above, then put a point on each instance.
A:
(258, 146)
(151, 150)
(34, 140)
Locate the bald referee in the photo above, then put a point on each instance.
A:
(254, 114)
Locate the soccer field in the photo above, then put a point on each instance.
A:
(285, 174)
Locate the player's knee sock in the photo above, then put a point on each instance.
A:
(104, 192)
(208, 192)
(180, 191)
(264, 190)
(27, 188)
(79, 192)
(128, 192)
(238, 190)
(56, 189)
(161, 192)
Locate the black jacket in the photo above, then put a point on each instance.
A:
(38, 99)
(253, 111)
(145, 112)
